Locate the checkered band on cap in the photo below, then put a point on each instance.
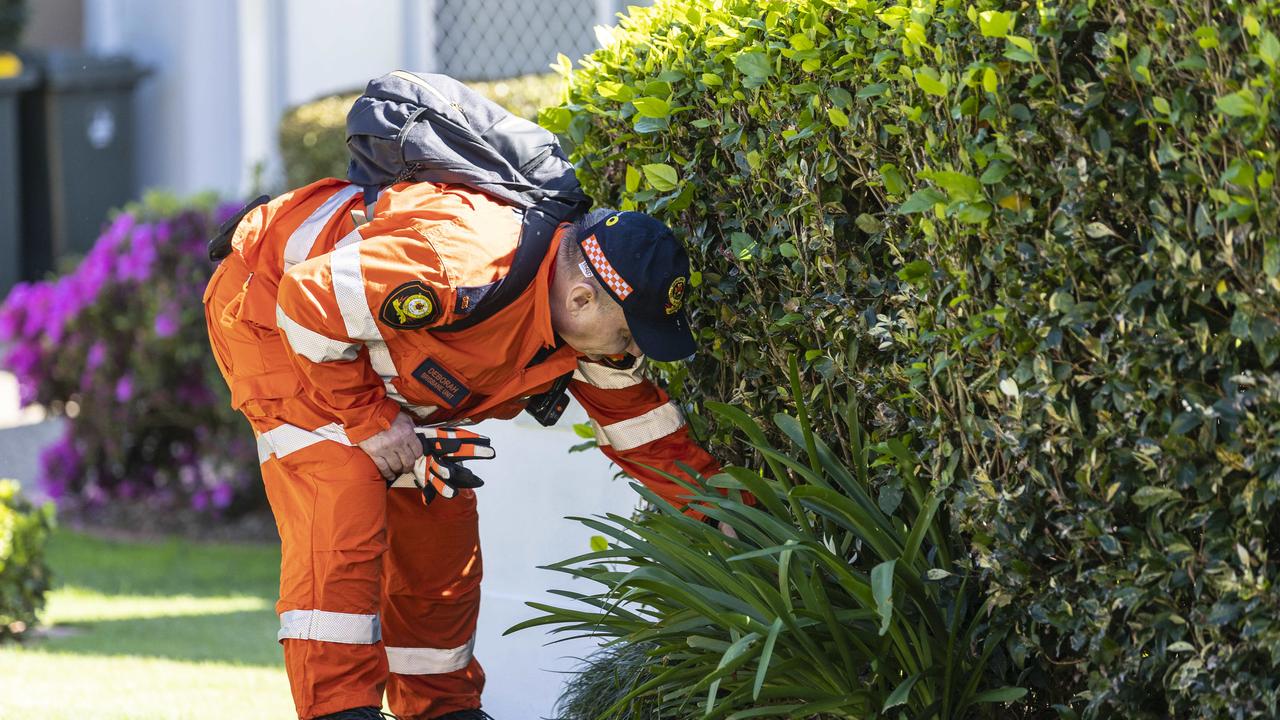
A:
(604, 270)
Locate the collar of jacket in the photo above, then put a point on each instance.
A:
(542, 290)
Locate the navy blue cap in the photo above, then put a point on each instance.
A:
(642, 266)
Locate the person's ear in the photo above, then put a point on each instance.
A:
(581, 297)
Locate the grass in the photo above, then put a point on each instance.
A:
(143, 630)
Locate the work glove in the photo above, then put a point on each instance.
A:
(439, 471)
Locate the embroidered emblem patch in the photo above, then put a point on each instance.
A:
(412, 305)
(675, 296)
(441, 382)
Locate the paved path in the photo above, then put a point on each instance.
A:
(24, 432)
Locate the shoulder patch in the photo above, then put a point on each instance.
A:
(410, 306)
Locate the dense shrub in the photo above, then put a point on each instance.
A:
(1039, 245)
(24, 576)
(313, 136)
(119, 346)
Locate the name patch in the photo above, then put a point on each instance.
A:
(441, 382)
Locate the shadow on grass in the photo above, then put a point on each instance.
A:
(235, 638)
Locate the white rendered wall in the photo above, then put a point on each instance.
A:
(224, 71)
(189, 125)
(337, 45)
(530, 488)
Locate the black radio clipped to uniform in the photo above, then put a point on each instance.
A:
(547, 407)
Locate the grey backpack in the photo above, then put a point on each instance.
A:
(432, 128)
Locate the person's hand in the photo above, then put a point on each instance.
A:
(439, 471)
(394, 450)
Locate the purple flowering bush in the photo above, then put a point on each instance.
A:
(118, 346)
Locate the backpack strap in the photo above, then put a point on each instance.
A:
(371, 193)
(536, 232)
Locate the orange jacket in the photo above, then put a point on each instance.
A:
(352, 309)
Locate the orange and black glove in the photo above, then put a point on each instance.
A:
(439, 471)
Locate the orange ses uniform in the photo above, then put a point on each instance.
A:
(323, 331)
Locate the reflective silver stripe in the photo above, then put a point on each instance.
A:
(312, 345)
(642, 429)
(326, 626)
(348, 289)
(353, 304)
(300, 243)
(351, 237)
(429, 661)
(380, 359)
(281, 441)
(603, 376)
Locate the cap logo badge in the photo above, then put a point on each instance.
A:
(613, 220)
(675, 296)
(605, 271)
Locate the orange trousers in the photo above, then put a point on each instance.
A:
(377, 592)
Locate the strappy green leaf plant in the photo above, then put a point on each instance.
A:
(822, 605)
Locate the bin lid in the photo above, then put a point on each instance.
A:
(74, 70)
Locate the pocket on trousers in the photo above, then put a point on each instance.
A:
(252, 356)
(348, 498)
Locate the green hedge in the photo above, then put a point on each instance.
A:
(1038, 245)
(24, 576)
(313, 136)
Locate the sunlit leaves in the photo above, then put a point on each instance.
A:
(661, 177)
(652, 107)
(930, 82)
(993, 23)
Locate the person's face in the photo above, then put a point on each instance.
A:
(593, 324)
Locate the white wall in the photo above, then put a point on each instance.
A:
(530, 488)
(224, 71)
(335, 45)
(189, 124)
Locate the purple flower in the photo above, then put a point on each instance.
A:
(93, 274)
(167, 322)
(136, 261)
(38, 303)
(96, 356)
(12, 311)
(23, 359)
(60, 463)
(124, 388)
(63, 305)
(222, 495)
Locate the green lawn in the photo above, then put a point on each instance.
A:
(142, 630)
